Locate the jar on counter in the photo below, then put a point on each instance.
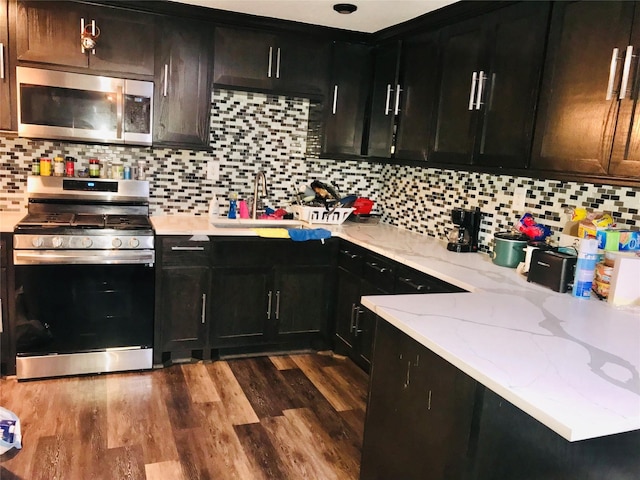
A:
(117, 170)
(35, 166)
(94, 168)
(45, 167)
(58, 166)
(69, 166)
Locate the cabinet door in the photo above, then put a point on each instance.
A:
(384, 101)
(126, 42)
(49, 32)
(301, 300)
(345, 108)
(244, 58)
(242, 300)
(576, 121)
(417, 80)
(516, 44)
(183, 87)
(460, 68)
(301, 65)
(625, 156)
(184, 315)
(6, 99)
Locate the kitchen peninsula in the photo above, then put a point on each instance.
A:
(570, 364)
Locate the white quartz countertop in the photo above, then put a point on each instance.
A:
(572, 364)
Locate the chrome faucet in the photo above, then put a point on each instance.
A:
(260, 178)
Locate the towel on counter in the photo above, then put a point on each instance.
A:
(272, 232)
(304, 234)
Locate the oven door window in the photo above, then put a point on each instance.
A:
(81, 308)
(68, 107)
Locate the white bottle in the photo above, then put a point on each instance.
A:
(214, 210)
(585, 268)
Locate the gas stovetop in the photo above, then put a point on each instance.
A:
(51, 222)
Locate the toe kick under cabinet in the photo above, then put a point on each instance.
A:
(229, 296)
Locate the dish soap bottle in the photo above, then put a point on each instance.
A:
(214, 210)
(233, 205)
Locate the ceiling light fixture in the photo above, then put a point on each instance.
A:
(345, 8)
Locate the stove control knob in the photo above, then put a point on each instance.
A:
(86, 242)
(116, 242)
(57, 242)
(134, 242)
(37, 241)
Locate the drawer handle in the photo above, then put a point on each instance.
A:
(407, 281)
(349, 254)
(187, 249)
(377, 268)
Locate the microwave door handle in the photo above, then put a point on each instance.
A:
(119, 111)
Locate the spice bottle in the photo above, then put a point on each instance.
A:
(69, 166)
(94, 167)
(35, 167)
(45, 167)
(58, 166)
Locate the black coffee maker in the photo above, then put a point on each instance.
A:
(464, 237)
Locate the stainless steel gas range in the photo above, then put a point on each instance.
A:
(84, 262)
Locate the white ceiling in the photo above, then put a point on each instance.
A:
(371, 15)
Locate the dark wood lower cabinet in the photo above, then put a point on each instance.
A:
(426, 419)
(419, 412)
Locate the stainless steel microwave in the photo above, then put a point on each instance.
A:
(74, 106)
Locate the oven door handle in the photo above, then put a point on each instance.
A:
(66, 257)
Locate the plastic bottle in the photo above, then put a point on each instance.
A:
(214, 210)
(585, 268)
(233, 205)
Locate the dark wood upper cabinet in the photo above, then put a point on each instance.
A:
(6, 99)
(347, 101)
(49, 32)
(584, 126)
(417, 96)
(265, 61)
(183, 84)
(385, 98)
(490, 73)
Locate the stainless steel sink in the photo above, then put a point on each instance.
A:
(223, 222)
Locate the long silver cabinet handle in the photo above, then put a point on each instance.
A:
(93, 32)
(472, 94)
(1, 61)
(353, 312)
(278, 64)
(81, 33)
(386, 103)
(397, 109)
(187, 249)
(119, 111)
(269, 296)
(612, 73)
(625, 72)
(335, 99)
(481, 79)
(277, 304)
(166, 79)
(270, 62)
(203, 315)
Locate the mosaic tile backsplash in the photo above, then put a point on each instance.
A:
(252, 132)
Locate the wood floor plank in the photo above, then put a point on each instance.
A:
(180, 408)
(125, 463)
(344, 459)
(264, 386)
(340, 400)
(259, 449)
(201, 387)
(283, 362)
(355, 420)
(238, 410)
(137, 415)
(195, 457)
(348, 389)
(228, 459)
(170, 470)
(52, 459)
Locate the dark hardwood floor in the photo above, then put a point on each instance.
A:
(281, 417)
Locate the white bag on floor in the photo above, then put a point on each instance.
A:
(10, 436)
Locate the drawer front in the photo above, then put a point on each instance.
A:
(409, 280)
(351, 258)
(261, 252)
(185, 251)
(379, 272)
